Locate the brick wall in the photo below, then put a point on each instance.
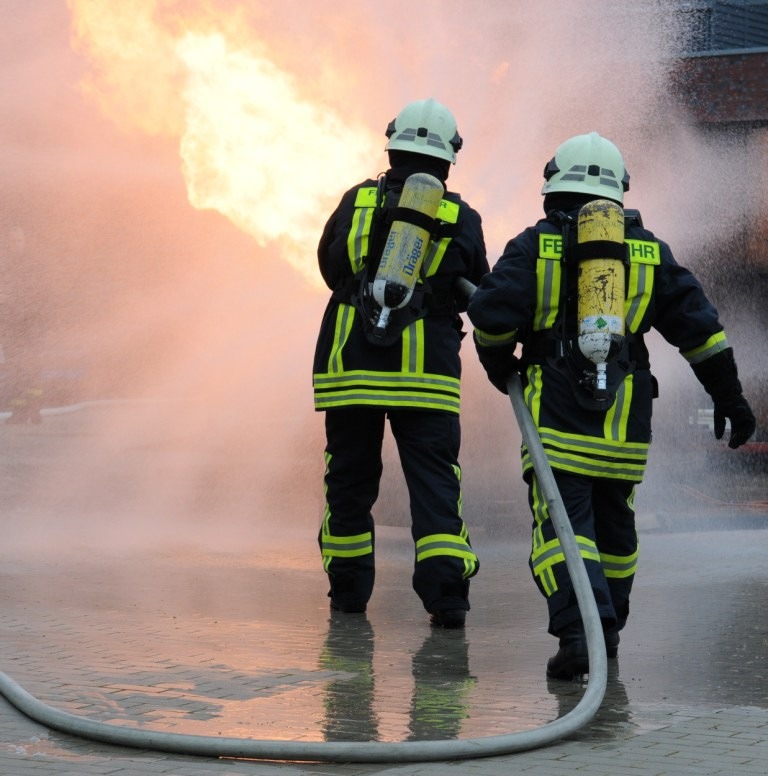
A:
(726, 88)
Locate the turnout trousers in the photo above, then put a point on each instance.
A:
(602, 515)
(428, 447)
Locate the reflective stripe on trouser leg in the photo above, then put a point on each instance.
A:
(547, 560)
(440, 545)
(428, 445)
(342, 546)
(616, 535)
(353, 470)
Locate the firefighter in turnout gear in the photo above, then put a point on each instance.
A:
(407, 372)
(596, 441)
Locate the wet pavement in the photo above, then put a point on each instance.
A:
(173, 631)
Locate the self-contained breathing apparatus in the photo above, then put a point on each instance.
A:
(591, 346)
(403, 226)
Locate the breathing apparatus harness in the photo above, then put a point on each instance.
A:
(418, 300)
(559, 346)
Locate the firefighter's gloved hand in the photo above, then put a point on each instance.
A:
(743, 423)
(499, 363)
(720, 378)
(501, 379)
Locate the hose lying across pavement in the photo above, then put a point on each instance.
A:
(379, 752)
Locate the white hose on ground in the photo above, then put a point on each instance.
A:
(374, 751)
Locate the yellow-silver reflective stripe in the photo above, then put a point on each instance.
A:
(357, 239)
(619, 566)
(616, 418)
(532, 392)
(636, 451)
(643, 255)
(448, 544)
(347, 546)
(589, 467)
(411, 387)
(542, 562)
(639, 293)
(383, 380)
(344, 318)
(460, 504)
(548, 280)
(546, 555)
(448, 213)
(390, 389)
(492, 340)
(591, 456)
(340, 546)
(413, 348)
(344, 546)
(714, 344)
(371, 398)
(434, 257)
(327, 509)
(538, 546)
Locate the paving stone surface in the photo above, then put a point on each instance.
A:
(124, 619)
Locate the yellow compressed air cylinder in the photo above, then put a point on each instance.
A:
(406, 246)
(600, 285)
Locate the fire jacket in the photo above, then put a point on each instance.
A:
(421, 369)
(530, 298)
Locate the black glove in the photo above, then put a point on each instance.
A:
(720, 378)
(499, 363)
(742, 419)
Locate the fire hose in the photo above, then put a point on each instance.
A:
(380, 752)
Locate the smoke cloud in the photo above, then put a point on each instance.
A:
(172, 162)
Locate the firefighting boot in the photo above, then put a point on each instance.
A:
(349, 594)
(349, 608)
(572, 659)
(448, 618)
(611, 643)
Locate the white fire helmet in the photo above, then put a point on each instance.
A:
(425, 127)
(587, 164)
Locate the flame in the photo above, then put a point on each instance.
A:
(254, 146)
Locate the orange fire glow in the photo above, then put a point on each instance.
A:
(254, 146)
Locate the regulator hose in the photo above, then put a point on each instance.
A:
(376, 751)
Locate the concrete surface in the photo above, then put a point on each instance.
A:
(173, 630)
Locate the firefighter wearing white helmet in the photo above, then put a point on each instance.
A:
(425, 127)
(393, 357)
(587, 164)
(597, 441)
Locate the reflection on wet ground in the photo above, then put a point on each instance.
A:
(227, 646)
(163, 625)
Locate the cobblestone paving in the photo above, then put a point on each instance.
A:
(239, 642)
